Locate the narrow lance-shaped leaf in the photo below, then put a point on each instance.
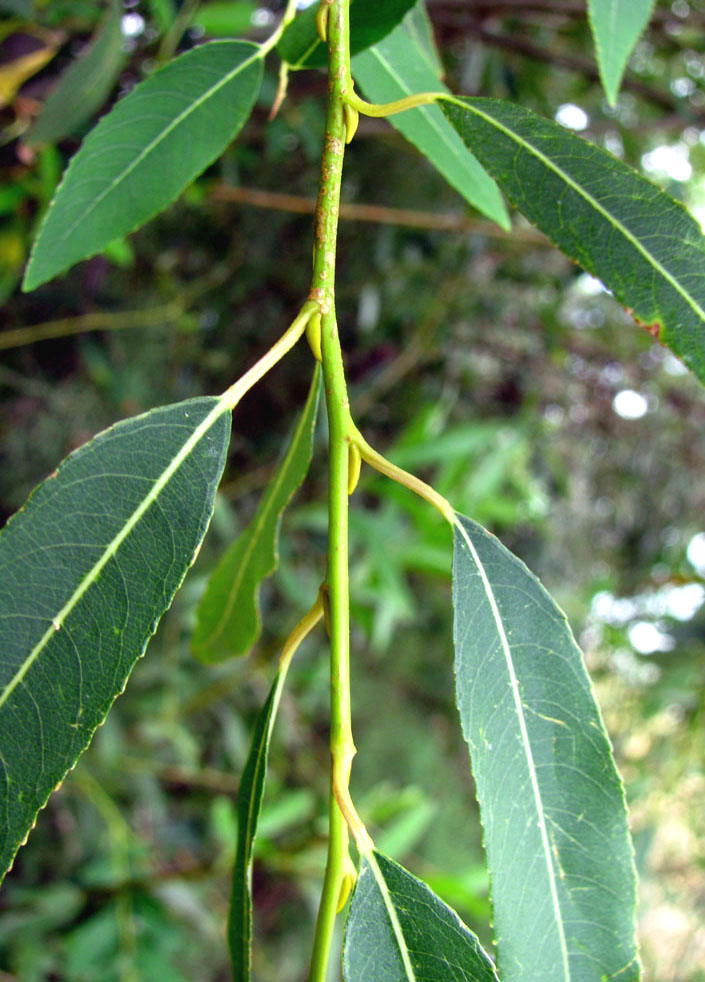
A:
(85, 85)
(419, 26)
(370, 21)
(616, 27)
(249, 806)
(551, 802)
(397, 67)
(142, 155)
(87, 568)
(398, 930)
(642, 244)
(228, 617)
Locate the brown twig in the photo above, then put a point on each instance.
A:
(379, 214)
(95, 321)
(116, 320)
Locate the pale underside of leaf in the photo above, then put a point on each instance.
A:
(87, 568)
(142, 155)
(527, 750)
(616, 27)
(396, 67)
(552, 805)
(642, 244)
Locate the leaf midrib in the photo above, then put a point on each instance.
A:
(392, 914)
(118, 179)
(579, 189)
(526, 745)
(112, 548)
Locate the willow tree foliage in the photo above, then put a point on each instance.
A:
(95, 557)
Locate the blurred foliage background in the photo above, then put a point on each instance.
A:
(482, 361)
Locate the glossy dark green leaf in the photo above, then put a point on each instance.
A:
(228, 617)
(85, 85)
(87, 568)
(142, 155)
(551, 801)
(616, 27)
(370, 21)
(397, 67)
(249, 806)
(644, 246)
(398, 930)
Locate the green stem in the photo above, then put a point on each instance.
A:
(340, 429)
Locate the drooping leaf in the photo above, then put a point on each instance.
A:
(419, 26)
(616, 27)
(370, 21)
(87, 568)
(551, 801)
(249, 806)
(228, 617)
(225, 19)
(397, 67)
(644, 246)
(85, 85)
(142, 155)
(398, 930)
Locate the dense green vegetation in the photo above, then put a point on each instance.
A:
(483, 361)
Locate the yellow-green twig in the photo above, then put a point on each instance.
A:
(391, 108)
(286, 342)
(410, 481)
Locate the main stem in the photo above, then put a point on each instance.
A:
(342, 748)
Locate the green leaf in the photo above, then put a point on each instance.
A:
(398, 67)
(370, 21)
(551, 801)
(398, 930)
(141, 156)
(85, 85)
(225, 19)
(420, 28)
(228, 617)
(249, 806)
(87, 568)
(642, 244)
(616, 27)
